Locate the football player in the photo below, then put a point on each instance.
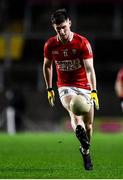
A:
(73, 58)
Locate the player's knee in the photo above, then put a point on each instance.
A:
(89, 126)
(73, 122)
(73, 125)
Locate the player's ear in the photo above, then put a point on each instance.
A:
(54, 26)
(70, 23)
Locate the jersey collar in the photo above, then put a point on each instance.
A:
(71, 37)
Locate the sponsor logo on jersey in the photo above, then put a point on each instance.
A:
(69, 65)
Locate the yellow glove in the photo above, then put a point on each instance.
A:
(94, 97)
(51, 96)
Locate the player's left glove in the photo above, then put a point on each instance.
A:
(51, 96)
(95, 99)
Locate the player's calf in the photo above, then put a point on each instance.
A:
(82, 137)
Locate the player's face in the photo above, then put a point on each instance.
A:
(63, 29)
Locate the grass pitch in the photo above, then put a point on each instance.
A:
(56, 156)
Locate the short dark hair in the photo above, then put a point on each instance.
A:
(59, 16)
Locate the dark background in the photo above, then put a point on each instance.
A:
(24, 28)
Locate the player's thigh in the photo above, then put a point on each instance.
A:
(66, 102)
(66, 94)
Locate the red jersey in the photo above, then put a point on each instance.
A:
(68, 59)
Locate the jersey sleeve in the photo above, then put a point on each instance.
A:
(47, 51)
(86, 49)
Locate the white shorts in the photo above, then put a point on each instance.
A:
(68, 90)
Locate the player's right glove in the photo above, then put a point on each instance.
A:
(95, 99)
(51, 96)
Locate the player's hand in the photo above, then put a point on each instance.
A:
(51, 96)
(95, 99)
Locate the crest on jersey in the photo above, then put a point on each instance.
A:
(74, 51)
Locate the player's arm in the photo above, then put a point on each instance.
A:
(88, 63)
(48, 74)
(119, 84)
(119, 88)
(89, 67)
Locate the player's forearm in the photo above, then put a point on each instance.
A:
(119, 89)
(47, 72)
(88, 63)
(93, 80)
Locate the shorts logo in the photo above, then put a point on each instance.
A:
(63, 92)
(66, 91)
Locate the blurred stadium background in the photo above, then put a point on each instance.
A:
(24, 27)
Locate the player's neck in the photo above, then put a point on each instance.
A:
(64, 41)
